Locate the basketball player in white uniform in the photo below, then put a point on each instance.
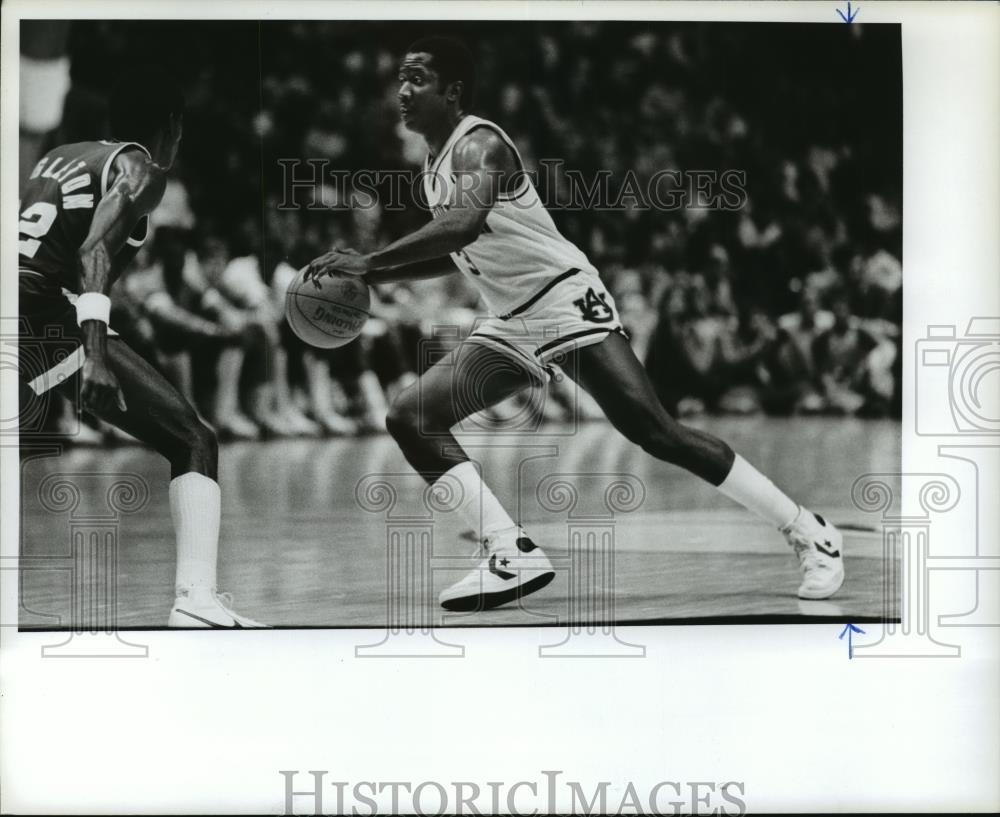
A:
(547, 304)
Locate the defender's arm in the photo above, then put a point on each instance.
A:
(134, 194)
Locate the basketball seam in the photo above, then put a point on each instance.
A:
(291, 315)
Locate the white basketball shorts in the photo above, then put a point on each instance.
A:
(572, 311)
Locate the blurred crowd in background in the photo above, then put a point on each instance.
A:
(789, 304)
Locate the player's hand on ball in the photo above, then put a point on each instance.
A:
(337, 260)
(100, 392)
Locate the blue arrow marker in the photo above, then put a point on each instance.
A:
(849, 631)
(850, 16)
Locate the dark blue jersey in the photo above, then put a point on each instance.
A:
(58, 206)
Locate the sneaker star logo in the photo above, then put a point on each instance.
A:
(496, 571)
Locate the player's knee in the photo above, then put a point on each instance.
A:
(410, 416)
(403, 420)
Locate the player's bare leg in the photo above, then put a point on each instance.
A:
(159, 416)
(473, 377)
(613, 375)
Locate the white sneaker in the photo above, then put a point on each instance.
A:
(205, 608)
(820, 548)
(513, 567)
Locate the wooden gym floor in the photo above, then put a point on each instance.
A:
(306, 524)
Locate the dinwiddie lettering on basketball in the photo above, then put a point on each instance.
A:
(332, 319)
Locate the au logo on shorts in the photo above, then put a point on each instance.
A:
(594, 307)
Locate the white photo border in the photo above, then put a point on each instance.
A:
(207, 721)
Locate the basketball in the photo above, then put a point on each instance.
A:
(329, 312)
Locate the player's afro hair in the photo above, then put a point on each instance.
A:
(142, 103)
(453, 63)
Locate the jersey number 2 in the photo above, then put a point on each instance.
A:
(36, 221)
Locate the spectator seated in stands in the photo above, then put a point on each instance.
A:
(789, 370)
(703, 360)
(853, 366)
(188, 326)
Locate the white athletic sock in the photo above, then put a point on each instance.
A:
(196, 508)
(477, 503)
(755, 492)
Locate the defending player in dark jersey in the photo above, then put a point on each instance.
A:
(546, 299)
(83, 215)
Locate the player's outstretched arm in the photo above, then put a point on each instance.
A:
(419, 271)
(136, 191)
(483, 165)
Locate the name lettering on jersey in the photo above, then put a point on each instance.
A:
(594, 307)
(69, 171)
(50, 171)
(79, 201)
(75, 183)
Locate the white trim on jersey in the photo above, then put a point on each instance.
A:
(456, 134)
(66, 367)
(138, 242)
(106, 170)
(107, 164)
(70, 364)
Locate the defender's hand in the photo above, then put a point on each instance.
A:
(347, 261)
(100, 392)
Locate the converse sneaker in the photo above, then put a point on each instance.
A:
(513, 566)
(820, 549)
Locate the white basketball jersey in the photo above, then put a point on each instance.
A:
(520, 250)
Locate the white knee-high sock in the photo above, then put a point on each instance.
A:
(477, 503)
(755, 492)
(196, 509)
